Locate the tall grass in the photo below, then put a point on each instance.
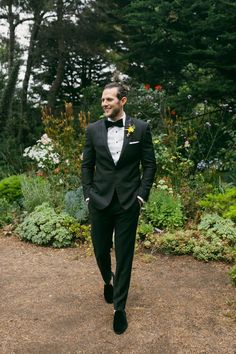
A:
(36, 190)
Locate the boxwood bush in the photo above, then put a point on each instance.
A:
(10, 188)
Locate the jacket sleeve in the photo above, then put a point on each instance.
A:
(88, 163)
(148, 162)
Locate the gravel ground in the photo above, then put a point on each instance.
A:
(52, 303)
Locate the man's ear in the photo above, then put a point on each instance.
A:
(123, 100)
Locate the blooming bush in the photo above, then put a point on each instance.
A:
(43, 153)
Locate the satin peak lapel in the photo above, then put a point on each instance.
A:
(128, 122)
(103, 133)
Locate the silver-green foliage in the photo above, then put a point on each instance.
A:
(217, 229)
(76, 206)
(215, 239)
(45, 227)
(218, 238)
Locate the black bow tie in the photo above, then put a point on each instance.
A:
(118, 123)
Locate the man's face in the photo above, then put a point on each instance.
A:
(112, 106)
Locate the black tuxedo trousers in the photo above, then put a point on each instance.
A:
(123, 223)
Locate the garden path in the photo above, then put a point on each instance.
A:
(52, 303)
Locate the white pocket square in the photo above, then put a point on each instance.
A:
(134, 142)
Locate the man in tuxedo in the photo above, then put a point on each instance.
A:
(118, 170)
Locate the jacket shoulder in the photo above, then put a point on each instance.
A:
(96, 124)
(139, 122)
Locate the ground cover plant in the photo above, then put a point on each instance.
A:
(44, 226)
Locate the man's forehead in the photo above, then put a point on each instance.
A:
(110, 92)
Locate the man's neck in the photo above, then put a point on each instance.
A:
(118, 117)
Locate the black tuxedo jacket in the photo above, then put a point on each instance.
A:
(133, 174)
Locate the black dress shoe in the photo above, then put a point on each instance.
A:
(108, 293)
(120, 323)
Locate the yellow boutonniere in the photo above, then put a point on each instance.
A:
(130, 129)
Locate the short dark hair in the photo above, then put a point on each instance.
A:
(122, 91)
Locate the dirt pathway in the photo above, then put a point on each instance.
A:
(52, 303)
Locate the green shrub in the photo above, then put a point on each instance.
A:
(144, 231)
(192, 242)
(81, 232)
(6, 212)
(218, 239)
(232, 274)
(223, 204)
(36, 190)
(45, 227)
(10, 188)
(164, 210)
(179, 243)
(217, 229)
(76, 206)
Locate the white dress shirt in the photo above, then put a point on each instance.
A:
(115, 139)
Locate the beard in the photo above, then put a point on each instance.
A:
(114, 112)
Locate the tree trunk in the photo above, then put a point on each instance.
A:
(34, 34)
(61, 57)
(11, 38)
(7, 95)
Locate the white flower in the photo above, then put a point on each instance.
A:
(189, 97)
(45, 139)
(186, 144)
(43, 153)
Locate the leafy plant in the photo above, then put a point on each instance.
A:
(221, 203)
(144, 230)
(45, 227)
(6, 212)
(216, 229)
(164, 210)
(215, 239)
(10, 188)
(218, 239)
(75, 205)
(67, 132)
(179, 243)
